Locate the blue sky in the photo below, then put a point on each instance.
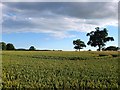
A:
(53, 25)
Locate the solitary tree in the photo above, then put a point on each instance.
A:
(99, 38)
(10, 46)
(2, 46)
(78, 44)
(32, 48)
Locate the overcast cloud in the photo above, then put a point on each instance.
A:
(58, 18)
(59, 0)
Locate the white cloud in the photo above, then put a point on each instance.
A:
(58, 19)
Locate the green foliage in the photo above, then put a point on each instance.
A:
(32, 48)
(2, 46)
(10, 46)
(43, 70)
(99, 38)
(111, 48)
(79, 44)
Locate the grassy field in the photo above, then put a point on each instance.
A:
(59, 70)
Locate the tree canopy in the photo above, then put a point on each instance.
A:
(10, 46)
(111, 48)
(78, 44)
(99, 38)
(32, 48)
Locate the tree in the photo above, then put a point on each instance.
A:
(78, 44)
(10, 46)
(112, 48)
(2, 46)
(99, 38)
(32, 48)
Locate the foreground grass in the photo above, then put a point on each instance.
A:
(60, 70)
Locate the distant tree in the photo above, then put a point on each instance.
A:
(2, 46)
(32, 48)
(89, 50)
(112, 48)
(10, 46)
(99, 38)
(78, 44)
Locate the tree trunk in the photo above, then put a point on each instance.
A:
(79, 49)
(99, 48)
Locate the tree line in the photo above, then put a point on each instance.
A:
(97, 38)
(10, 46)
(5, 46)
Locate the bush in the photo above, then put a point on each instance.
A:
(112, 48)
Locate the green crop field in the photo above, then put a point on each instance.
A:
(60, 70)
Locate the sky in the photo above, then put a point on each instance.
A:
(54, 25)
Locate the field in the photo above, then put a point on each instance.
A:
(60, 70)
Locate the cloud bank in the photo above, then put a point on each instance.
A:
(57, 18)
